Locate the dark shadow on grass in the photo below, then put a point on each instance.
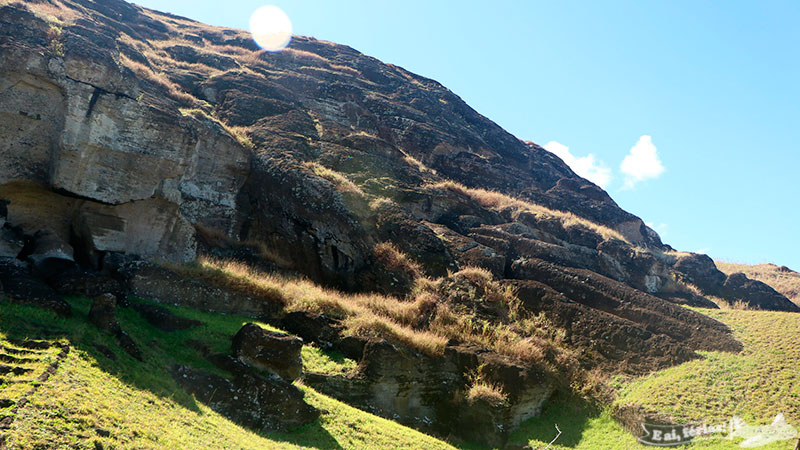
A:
(160, 350)
(569, 412)
(312, 435)
(28, 322)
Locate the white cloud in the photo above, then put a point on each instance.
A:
(642, 163)
(586, 166)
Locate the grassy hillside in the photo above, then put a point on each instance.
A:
(122, 403)
(756, 384)
(786, 282)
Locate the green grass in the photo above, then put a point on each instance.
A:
(142, 407)
(755, 385)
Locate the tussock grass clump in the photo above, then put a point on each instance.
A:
(394, 260)
(482, 389)
(502, 202)
(340, 182)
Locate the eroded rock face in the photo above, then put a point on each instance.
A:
(430, 393)
(736, 287)
(146, 172)
(149, 281)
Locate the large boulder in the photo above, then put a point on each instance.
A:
(162, 318)
(103, 313)
(248, 398)
(275, 352)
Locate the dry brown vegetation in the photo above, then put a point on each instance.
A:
(438, 312)
(783, 280)
(340, 182)
(53, 11)
(502, 202)
(237, 133)
(158, 78)
(218, 239)
(394, 260)
(482, 389)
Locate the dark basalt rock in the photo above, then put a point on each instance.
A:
(129, 345)
(164, 319)
(49, 253)
(315, 328)
(22, 287)
(103, 313)
(701, 270)
(250, 399)
(275, 352)
(756, 294)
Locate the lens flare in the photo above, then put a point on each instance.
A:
(271, 28)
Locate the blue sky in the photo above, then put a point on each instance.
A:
(714, 84)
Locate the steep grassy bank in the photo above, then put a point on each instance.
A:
(756, 384)
(122, 403)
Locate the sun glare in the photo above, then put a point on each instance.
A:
(271, 28)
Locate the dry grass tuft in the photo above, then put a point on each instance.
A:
(237, 133)
(414, 162)
(394, 260)
(482, 389)
(158, 78)
(341, 182)
(304, 56)
(501, 202)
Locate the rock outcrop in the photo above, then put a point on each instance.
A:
(275, 352)
(129, 129)
(131, 135)
(248, 398)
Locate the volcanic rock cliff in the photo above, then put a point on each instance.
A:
(130, 131)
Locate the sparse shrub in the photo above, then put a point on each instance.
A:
(340, 182)
(482, 389)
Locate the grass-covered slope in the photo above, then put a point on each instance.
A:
(756, 384)
(140, 406)
(122, 403)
